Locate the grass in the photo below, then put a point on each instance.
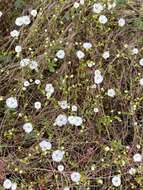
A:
(104, 145)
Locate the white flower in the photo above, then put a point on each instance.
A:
(103, 19)
(49, 89)
(58, 155)
(19, 21)
(45, 145)
(26, 20)
(116, 181)
(80, 54)
(87, 45)
(76, 5)
(132, 171)
(74, 108)
(63, 104)
(75, 177)
(24, 62)
(7, 184)
(75, 120)
(23, 20)
(11, 103)
(14, 186)
(14, 33)
(98, 78)
(27, 127)
(96, 110)
(18, 49)
(137, 157)
(60, 54)
(61, 120)
(37, 81)
(34, 12)
(33, 65)
(106, 55)
(141, 61)
(141, 81)
(1, 14)
(60, 168)
(97, 8)
(26, 83)
(121, 22)
(135, 51)
(111, 92)
(82, 2)
(37, 105)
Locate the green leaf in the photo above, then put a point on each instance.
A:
(19, 4)
(138, 23)
(118, 2)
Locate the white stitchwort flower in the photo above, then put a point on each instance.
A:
(80, 54)
(37, 81)
(98, 78)
(24, 62)
(34, 12)
(137, 157)
(45, 145)
(135, 51)
(19, 21)
(74, 108)
(26, 20)
(14, 33)
(61, 120)
(106, 55)
(75, 120)
(63, 104)
(87, 45)
(116, 181)
(75, 177)
(132, 171)
(33, 65)
(27, 127)
(76, 5)
(11, 102)
(96, 110)
(18, 49)
(82, 2)
(103, 19)
(141, 81)
(58, 155)
(60, 54)
(49, 90)
(7, 183)
(23, 20)
(14, 186)
(37, 105)
(26, 83)
(97, 8)
(121, 22)
(111, 92)
(141, 61)
(60, 168)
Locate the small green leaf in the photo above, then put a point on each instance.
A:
(19, 4)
